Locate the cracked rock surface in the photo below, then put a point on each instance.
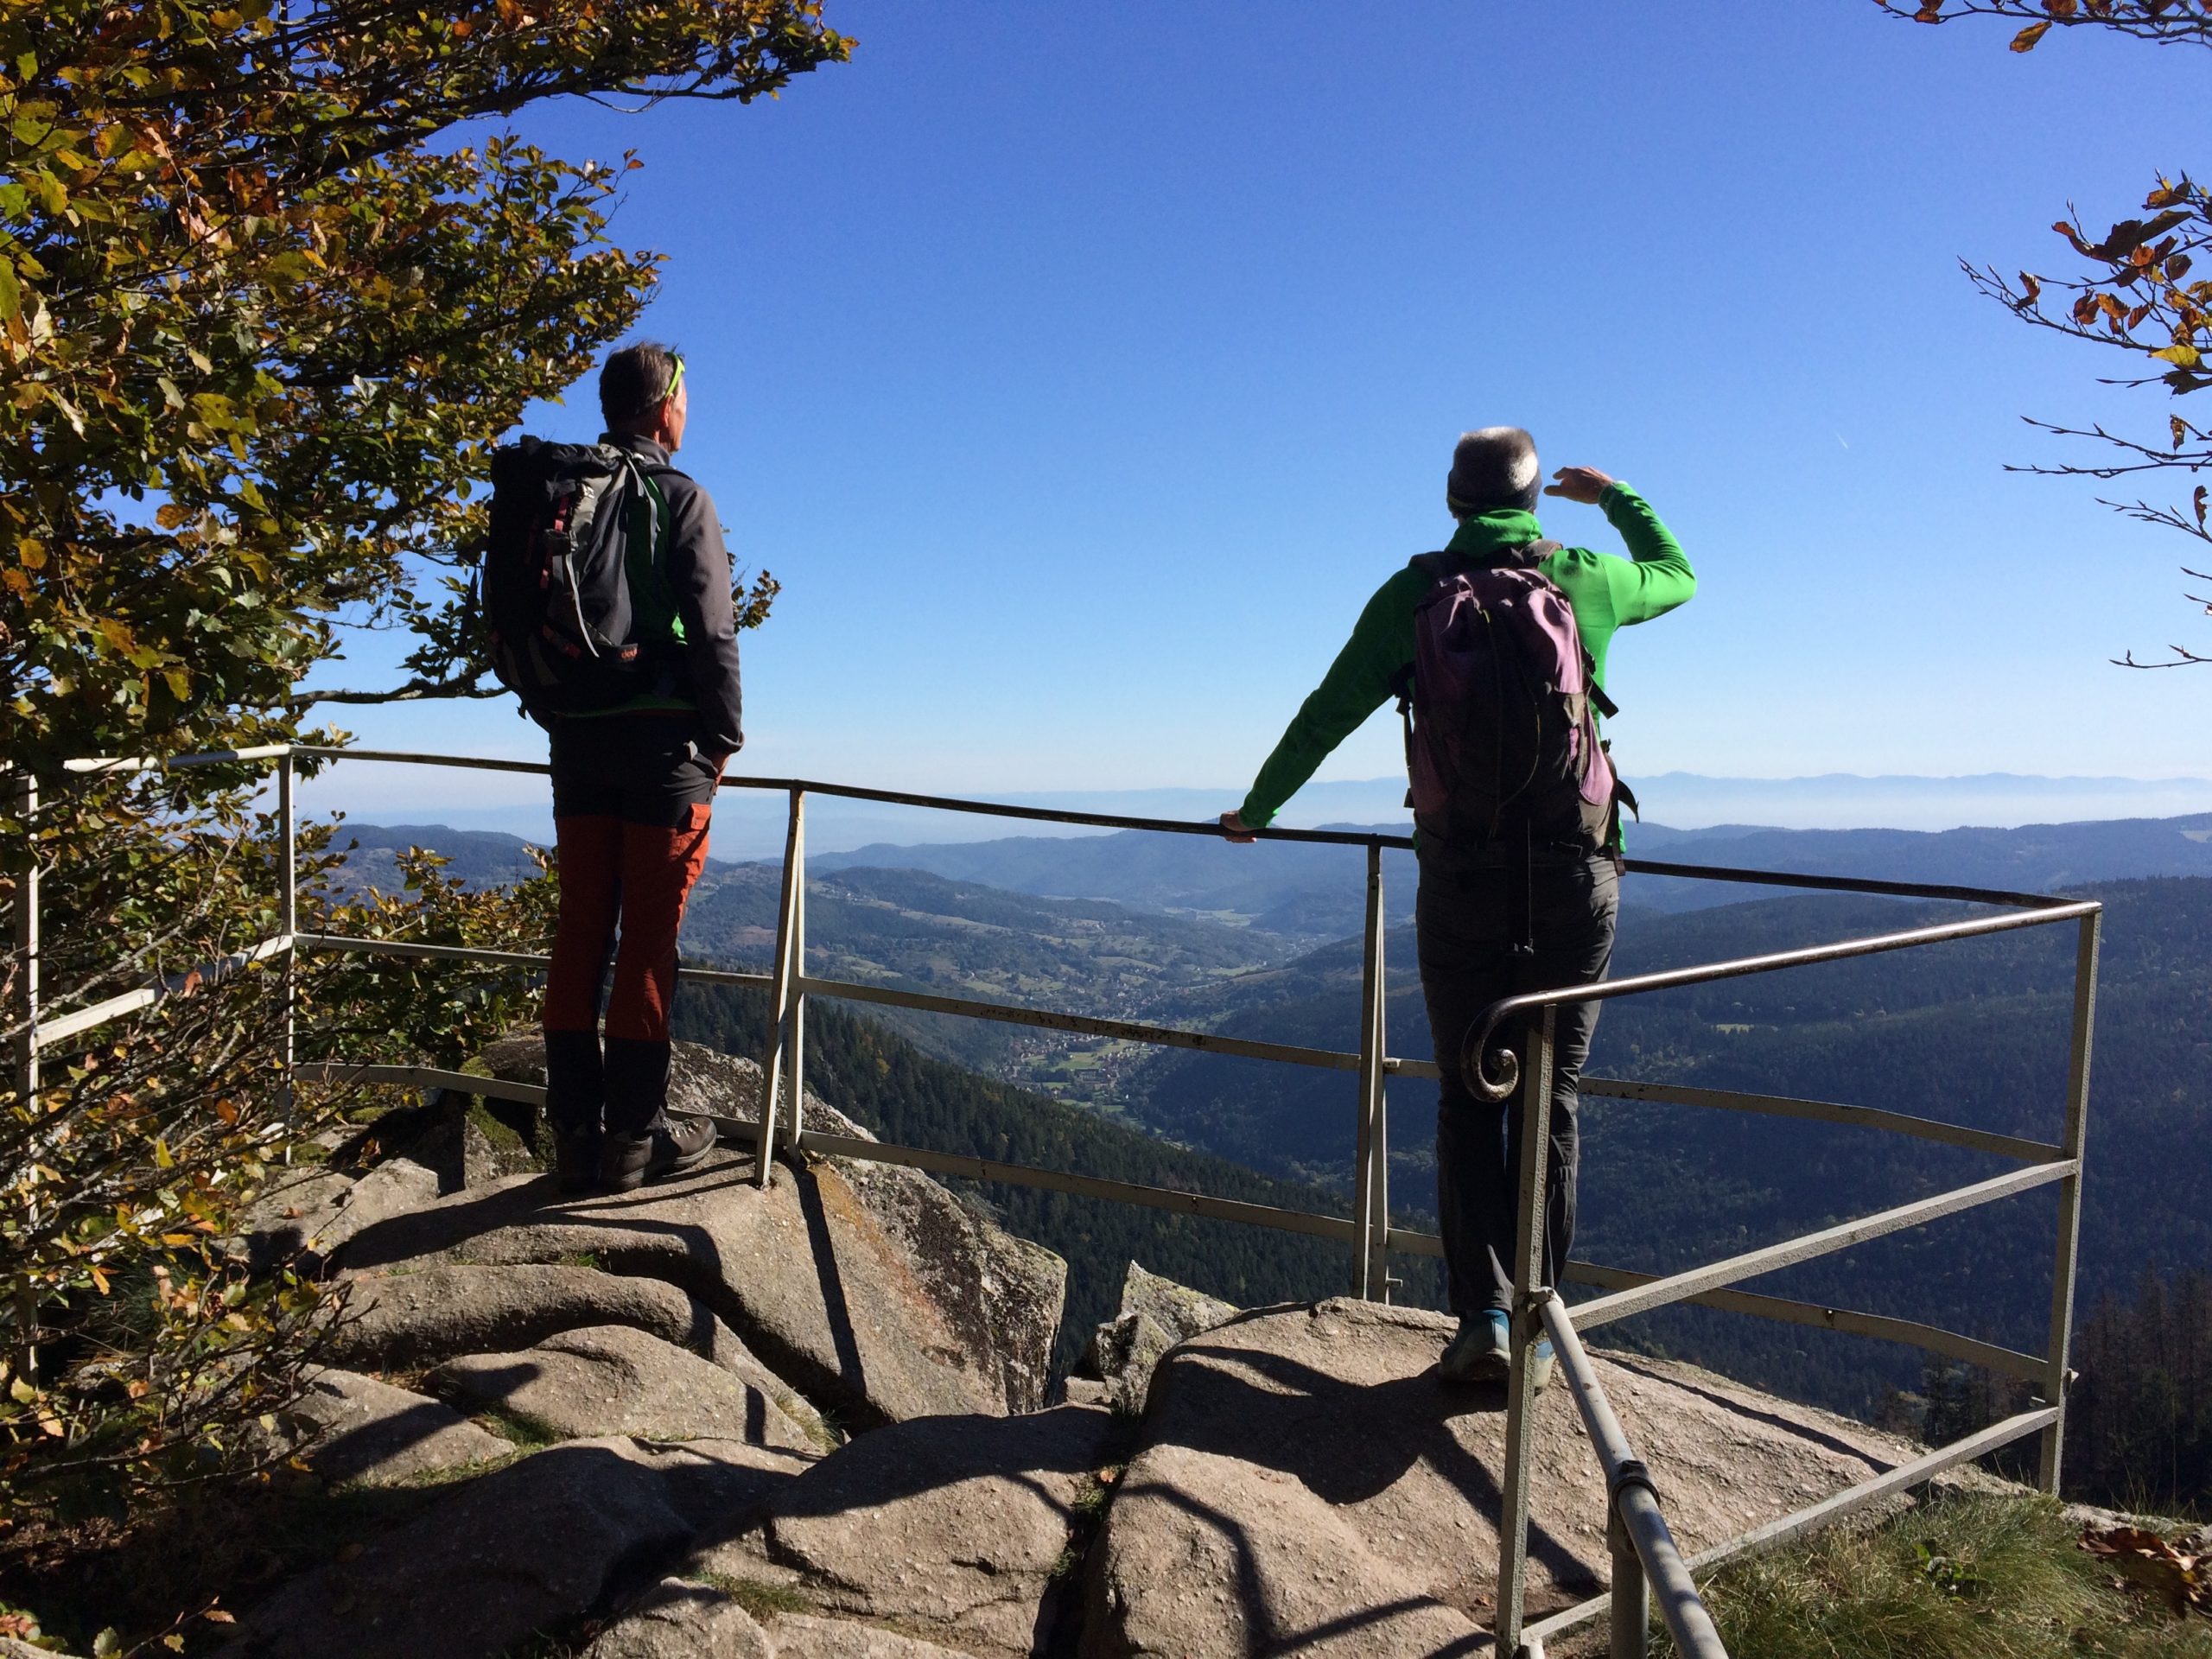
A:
(956, 1528)
(352, 1429)
(1306, 1482)
(615, 1379)
(869, 1288)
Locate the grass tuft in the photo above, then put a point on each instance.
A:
(758, 1596)
(526, 1434)
(1962, 1577)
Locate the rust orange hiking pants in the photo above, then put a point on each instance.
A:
(632, 799)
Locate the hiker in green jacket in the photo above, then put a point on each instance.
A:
(1513, 898)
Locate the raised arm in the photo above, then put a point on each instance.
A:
(1656, 575)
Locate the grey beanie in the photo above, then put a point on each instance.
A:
(1492, 468)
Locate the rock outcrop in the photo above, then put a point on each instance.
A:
(355, 1430)
(1155, 1314)
(610, 1404)
(1306, 1482)
(615, 1379)
(869, 1288)
(317, 1209)
(959, 1528)
(415, 1316)
(531, 1546)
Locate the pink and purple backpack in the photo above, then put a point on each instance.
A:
(1501, 706)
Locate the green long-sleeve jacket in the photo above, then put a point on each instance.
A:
(1608, 592)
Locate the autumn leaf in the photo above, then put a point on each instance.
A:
(2026, 39)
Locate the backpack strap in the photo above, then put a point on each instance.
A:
(651, 596)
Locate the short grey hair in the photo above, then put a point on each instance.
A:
(1493, 468)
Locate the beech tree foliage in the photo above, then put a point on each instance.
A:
(275, 276)
(262, 310)
(2142, 290)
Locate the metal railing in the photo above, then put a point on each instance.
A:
(1643, 1552)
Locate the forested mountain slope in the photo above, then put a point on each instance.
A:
(1312, 892)
(876, 1075)
(959, 938)
(1973, 1032)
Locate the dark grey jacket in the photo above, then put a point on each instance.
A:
(698, 571)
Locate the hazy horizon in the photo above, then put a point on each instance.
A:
(749, 824)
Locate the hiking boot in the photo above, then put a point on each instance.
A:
(669, 1147)
(575, 1158)
(1480, 1352)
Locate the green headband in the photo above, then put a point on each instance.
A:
(674, 381)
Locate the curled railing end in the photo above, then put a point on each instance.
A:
(1492, 1075)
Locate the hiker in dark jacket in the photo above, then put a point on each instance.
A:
(1473, 909)
(633, 789)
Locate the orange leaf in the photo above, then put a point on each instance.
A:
(2026, 39)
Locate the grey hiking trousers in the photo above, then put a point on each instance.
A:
(1468, 918)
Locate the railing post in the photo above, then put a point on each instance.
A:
(27, 1077)
(1529, 1294)
(1378, 1108)
(26, 942)
(288, 908)
(2070, 1197)
(1364, 1222)
(793, 895)
(1630, 1607)
(797, 1035)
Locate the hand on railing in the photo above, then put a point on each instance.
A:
(1233, 828)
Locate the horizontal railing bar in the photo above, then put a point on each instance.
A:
(408, 758)
(1623, 1304)
(1058, 814)
(1053, 1180)
(1912, 1334)
(902, 797)
(1209, 827)
(1904, 1477)
(1740, 967)
(422, 1077)
(164, 763)
(1909, 1332)
(49, 1032)
(1096, 820)
(1842, 884)
(346, 943)
(1164, 1036)
(1870, 1117)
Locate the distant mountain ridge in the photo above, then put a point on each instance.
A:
(1315, 892)
(1309, 894)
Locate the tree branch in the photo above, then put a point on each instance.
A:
(414, 690)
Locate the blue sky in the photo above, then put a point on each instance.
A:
(1080, 369)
